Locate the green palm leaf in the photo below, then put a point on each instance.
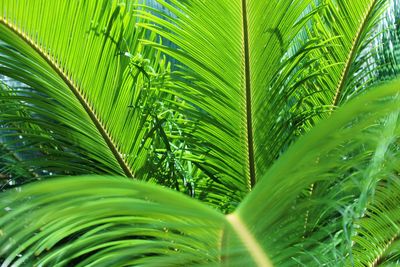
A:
(344, 157)
(376, 242)
(108, 221)
(240, 75)
(378, 56)
(83, 68)
(229, 71)
(118, 217)
(94, 95)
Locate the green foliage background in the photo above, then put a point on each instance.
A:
(277, 123)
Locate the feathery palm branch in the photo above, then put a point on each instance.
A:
(95, 96)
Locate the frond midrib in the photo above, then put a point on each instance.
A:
(75, 90)
(378, 258)
(249, 119)
(352, 54)
(248, 240)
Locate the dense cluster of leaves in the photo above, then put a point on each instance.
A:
(235, 104)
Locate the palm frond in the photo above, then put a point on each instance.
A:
(377, 59)
(227, 65)
(294, 55)
(100, 221)
(378, 231)
(89, 221)
(344, 157)
(34, 135)
(102, 83)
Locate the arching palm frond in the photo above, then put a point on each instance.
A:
(90, 88)
(95, 221)
(376, 58)
(108, 221)
(37, 144)
(344, 158)
(377, 240)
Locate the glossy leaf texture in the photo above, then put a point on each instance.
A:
(103, 221)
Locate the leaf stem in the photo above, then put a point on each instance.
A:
(249, 119)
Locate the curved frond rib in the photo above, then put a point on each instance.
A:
(352, 54)
(75, 90)
(377, 260)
